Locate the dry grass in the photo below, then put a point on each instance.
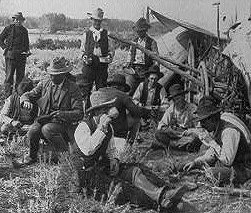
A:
(53, 188)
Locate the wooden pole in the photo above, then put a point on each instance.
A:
(163, 62)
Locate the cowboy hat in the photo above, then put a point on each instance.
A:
(119, 79)
(96, 14)
(206, 108)
(176, 90)
(98, 105)
(141, 24)
(59, 66)
(154, 69)
(18, 16)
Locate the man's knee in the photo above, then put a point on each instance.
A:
(6, 129)
(34, 130)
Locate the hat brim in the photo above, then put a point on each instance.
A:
(126, 86)
(160, 74)
(53, 71)
(178, 94)
(201, 118)
(138, 28)
(107, 104)
(18, 17)
(94, 17)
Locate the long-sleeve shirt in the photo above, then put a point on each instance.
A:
(226, 153)
(140, 56)
(4, 118)
(151, 93)
(89, 142)
(178, 118)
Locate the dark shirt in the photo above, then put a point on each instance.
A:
(15, 39)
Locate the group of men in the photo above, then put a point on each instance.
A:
(98, 124)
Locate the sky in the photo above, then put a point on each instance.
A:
(200, 12)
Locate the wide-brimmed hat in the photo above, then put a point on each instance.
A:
(206, 108)
(97, 14)
(97, 104)
(120, 80)
(154, 69)
(18, 16)
(141, 24)
(59, 66)
(176, 90)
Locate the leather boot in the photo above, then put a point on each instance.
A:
(140, 181)
(171, 198)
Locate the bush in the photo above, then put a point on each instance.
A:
(50, 44)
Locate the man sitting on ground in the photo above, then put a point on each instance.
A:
(98, 150)
(228, 140)
(178, 118)
(13, 116)
(150, 93)
(60, 105)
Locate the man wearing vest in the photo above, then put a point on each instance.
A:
(150, 93)
(60, 108)
(98, 150)
(137, 60)
(178, 118)
(13, 116)
(97, 54)
(14, 41)
(228, 140)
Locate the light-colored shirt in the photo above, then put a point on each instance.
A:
(151, 93)
(89, 143)
(179, 118)
(140, 56)
(97, 50)
(226, 153)
(4, 118)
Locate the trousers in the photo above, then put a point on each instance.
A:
(16, 65)
(53, 133)
(96, 72)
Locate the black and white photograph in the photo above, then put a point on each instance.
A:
(125, 106)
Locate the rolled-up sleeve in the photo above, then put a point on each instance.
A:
(88, 143)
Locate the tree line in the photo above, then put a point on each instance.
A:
(54, 22)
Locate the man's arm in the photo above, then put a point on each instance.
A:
(5, 112)
(3, 36)
(165, 121)
(88, 143)
(33, 95)
(230, 142)
(137, 94)
(163, 97)
(26, 41)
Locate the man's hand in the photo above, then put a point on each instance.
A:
(60, 115)
(114, 167)
(104, 122)
(189, 166)
(27, 105)
(16, 124)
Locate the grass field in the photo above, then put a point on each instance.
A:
(46, 188)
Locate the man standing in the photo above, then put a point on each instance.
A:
(97, 54)
(99, 151)
(137, 60)
(178, 118)
(228, 140)
(60, 104)
(14, 41)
